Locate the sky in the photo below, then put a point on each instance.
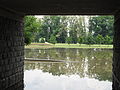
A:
(39, 16)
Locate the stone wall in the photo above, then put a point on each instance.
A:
(11, 54)
(116, 54)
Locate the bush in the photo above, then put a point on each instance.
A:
(53, 39)
(99, 39)
(80, 40)
(68, 40)
(107, 40)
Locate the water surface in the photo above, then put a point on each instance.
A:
(92, 71)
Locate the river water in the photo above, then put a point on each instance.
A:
(83, 69)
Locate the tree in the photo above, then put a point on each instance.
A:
(69, 40)
(90, 39)
(53, 39)
(102, 25)
(99, 39)
(50, 26)
(107, 40)
(60, 27)
(73, 35)
(77, 27)
(80, 40)
(74, 27)
(81, 26)
(38, 33)
(62, 34)
(30, 28)
(73, 24)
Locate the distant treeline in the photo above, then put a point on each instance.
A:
(69, 29)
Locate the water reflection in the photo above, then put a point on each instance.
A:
(93, 72)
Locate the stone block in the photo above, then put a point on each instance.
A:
(11, 54)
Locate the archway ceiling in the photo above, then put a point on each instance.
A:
(82, 7)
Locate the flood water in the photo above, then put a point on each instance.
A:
(83, 69)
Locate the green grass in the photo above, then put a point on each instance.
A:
(60, 45)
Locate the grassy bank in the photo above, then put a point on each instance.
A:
(60, 45)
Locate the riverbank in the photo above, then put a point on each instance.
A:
(61, 45)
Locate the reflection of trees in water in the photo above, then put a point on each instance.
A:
(92, 63)
(100, 65)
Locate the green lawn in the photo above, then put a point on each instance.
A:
(60, 45)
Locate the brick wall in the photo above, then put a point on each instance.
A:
(11, 54)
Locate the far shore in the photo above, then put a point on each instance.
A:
(65, 45)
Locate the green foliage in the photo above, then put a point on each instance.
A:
(70, 29)
(69, 40)
(62, 34)
(53, 39)
(80, 40)
(30, 28)
(37, 33)
(90, 39)
(107, 40)
(102, 25)
(59, 26)
(52, 25)
(76, 28)
(73, 35)
(99, 39)
(42, 40)
(28, 40)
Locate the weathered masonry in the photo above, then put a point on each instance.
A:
(11, 54)
(12, 13)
